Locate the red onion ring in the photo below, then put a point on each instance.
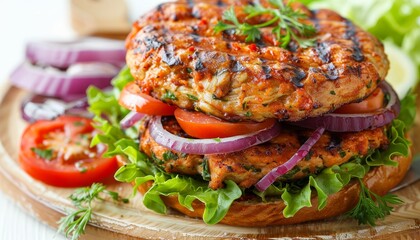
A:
(38, 107)
(57, 83)
(209, 146)
(335, 122)
(64, 54)
(130, 119)
(271, 177)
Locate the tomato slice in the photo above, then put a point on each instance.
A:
(200, 125)
(132, 98)
(372, 103)
(58, 153)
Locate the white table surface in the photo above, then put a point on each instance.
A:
(22, 21)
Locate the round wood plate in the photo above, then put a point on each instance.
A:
(133, 220)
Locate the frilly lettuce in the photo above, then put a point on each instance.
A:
(140, 170)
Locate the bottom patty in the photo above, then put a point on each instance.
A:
(248, 166)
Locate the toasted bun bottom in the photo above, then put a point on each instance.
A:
(252, 213)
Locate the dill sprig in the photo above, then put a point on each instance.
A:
(74, 224)
(287, 24)
(371, 206)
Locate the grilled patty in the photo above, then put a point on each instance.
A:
(175, 55)
(247, 167)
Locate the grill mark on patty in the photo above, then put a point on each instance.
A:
(199, 65)
(196, 38)
(335, 143)
(267, 71)
(355, 70)
(323, 50)
(299, 75)
(190, 3)
(332, 72)
(220, 3)
(350, 34)
(235, 65)
(168, 56)
(152, 42)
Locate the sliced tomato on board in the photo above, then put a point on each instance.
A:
(372, 103)
(58, 153)
(132, 98)
(200, 125)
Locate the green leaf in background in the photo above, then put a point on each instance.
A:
(408, 110)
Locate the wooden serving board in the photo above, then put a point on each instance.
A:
(133, 220)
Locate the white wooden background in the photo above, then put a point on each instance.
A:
(21, 21)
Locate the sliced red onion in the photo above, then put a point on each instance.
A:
(271, 177)
(335, 122)
(55, 83)
(64, 54)
(209, 146)
(42, 108)
(131, 119)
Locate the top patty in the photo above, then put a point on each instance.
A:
(175, 55)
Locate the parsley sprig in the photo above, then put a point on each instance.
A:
(372, 207)
(288, 24)
(74, 224)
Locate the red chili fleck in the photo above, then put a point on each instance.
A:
(191, 49)
(203, 22)
(253, 47)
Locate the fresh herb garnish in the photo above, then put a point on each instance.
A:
(192, 97)
(286, 21)
(43, 153)
(74, 224)
(368, 210)
(169, 95)
(169, 155)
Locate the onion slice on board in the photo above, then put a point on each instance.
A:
(130, 119)
(271, 177)
(210, 146)
(64, 54)
(54, 83)
(38, 107)
(335, 122)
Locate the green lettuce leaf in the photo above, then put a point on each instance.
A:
(408, 110)
(217, 202)
(122, 78)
